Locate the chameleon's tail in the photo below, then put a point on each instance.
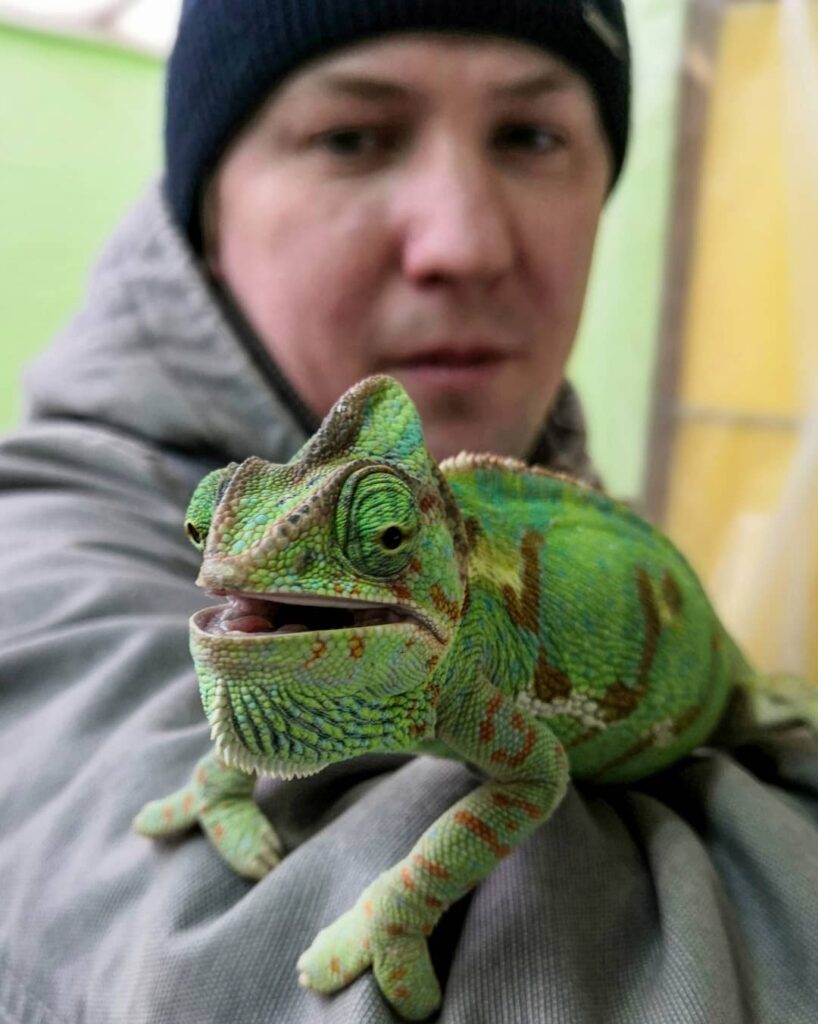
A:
(780, 697)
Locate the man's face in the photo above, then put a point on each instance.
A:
(423, 206)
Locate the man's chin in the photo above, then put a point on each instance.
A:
(475, 433)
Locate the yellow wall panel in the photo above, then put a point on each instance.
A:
(743, 498)
(721, 473)
(740, 301)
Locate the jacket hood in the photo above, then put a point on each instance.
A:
(153, 352)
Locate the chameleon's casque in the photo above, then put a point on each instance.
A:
(480, 609)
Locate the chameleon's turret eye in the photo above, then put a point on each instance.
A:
(377, 522)
(203, 504)
(194, 535)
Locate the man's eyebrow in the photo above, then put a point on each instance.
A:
(370, 87)
(534, 85)
(365, 87)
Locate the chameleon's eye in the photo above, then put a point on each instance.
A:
(194, 535)
(377, 522)
(203, 504)
(392, 538)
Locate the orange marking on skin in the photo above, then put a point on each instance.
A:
(357, 646)
(483, 831)
(167, 814)
(335, 965)
(431, 664)
(319, 649)
(201, 776)
(401, 993)
(408, 881)
(509, 802)
(515, 760)
(218, 833)
(398, 974)
(187, 803)
(368, 909)
(365, 944)
(431, 867)
(433, 903)
(401, 592)
(416, 566)
(487, 725)
(395, 931)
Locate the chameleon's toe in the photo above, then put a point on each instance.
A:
(404, 972)
(243, 836)
(175, 813)
(401, 963)
(338, 954)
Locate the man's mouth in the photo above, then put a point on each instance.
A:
(450, 366)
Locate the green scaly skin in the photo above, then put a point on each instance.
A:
(481, 609)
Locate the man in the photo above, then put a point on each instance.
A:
(351, 187)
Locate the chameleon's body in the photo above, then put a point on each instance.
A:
(484, 610)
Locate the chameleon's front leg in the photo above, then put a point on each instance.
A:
(388, 926)
(220, 799)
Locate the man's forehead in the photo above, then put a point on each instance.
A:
(398, 66)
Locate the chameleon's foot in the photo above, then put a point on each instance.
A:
(220, 799)
(358, 940)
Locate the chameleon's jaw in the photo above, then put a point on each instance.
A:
(289, 687)
(255, 615)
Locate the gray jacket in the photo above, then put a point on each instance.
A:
(690, 897)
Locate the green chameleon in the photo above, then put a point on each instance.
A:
(480, 609)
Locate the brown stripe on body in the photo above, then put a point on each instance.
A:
(653, 624)
(524, 610)
(550, 683)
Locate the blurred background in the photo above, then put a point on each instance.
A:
(698, 359)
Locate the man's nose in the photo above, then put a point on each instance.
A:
(457, 225)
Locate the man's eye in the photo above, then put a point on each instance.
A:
(357, 142)
(527, 137)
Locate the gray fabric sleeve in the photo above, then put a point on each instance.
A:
(690, 897)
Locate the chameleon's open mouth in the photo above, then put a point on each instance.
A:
(284, 614)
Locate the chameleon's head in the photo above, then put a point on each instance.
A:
(345, 577)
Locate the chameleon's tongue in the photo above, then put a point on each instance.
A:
(248, 624)
(243, 615)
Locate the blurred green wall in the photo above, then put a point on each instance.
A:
(614, 360)
(80, 137)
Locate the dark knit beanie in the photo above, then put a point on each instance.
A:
(230, 53)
